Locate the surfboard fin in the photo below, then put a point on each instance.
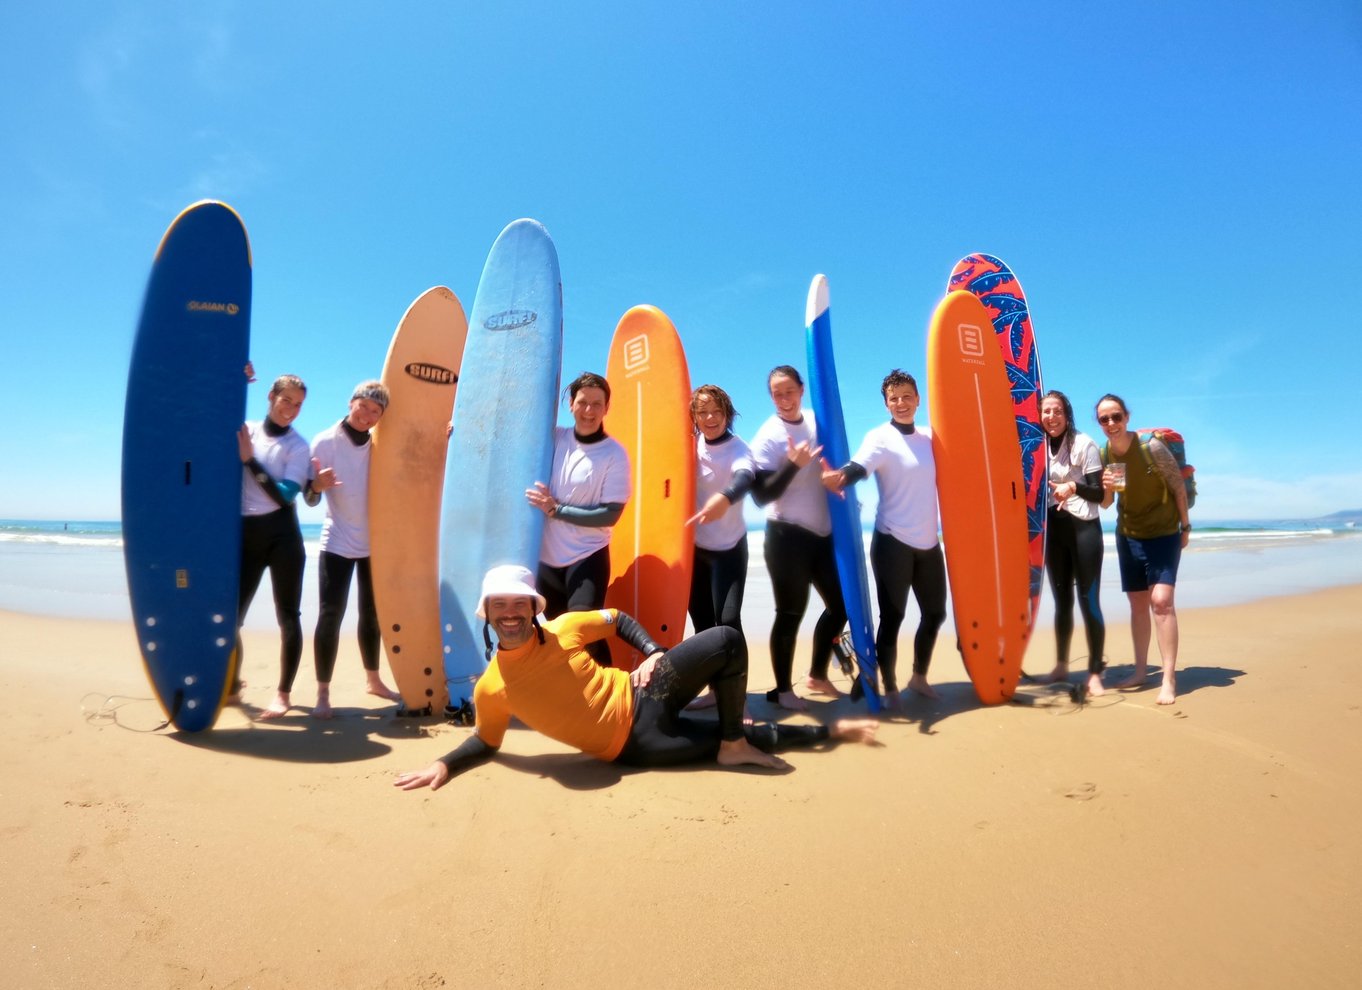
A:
(460, 715)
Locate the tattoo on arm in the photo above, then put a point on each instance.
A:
(1167, 467)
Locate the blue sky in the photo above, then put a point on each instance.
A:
(1175, 184)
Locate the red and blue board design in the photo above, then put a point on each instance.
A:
(1000, 292)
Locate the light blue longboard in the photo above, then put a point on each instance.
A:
(504, 413)
(847, 542)
(181, 469)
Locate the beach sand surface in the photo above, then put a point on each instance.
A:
(1215, 842)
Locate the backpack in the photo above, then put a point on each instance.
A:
(1173, 440)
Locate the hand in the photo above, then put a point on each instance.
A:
(644, 672)
(323, 478)
(539, 497)
(713, 509)
(801, 453)
(434, 776)
(1108, 481)
(1064, 490)
(250, 372)
(833, 478)
(244, 445)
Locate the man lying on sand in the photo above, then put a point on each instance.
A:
(543, 675)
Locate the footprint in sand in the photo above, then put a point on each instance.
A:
(1083, 792)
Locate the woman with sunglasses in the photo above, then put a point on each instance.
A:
(1152, 529)
(1073, 540)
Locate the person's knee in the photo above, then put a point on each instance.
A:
(731, 641)
(1161, 604)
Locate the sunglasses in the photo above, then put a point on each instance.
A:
(1111, 418)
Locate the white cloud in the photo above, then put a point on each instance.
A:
(1229, 496)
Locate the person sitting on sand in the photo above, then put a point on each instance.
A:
(542, 674)
(340, 468)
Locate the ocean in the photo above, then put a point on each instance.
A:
(75, 569)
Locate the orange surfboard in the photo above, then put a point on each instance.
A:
(651, 548)
(406, 479)
(983, 500)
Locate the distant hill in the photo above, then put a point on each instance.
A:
(1346, 516)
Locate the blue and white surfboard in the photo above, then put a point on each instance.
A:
(502, 442)
(846, 512)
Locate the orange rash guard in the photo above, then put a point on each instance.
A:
(557, 688)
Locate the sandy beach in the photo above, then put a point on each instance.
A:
(1118, 844)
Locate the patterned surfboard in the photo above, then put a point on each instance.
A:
(1001, 293)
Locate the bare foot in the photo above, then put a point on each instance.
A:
(1134, 680)
(278, 707)
(1169, 692)
(705, 700)
(377, 688)
(856, 730)
(740, 753)
(821, 685)
(891, 701)
(1095, 685)
(788, 700)
(1060, 673)
(918, 685)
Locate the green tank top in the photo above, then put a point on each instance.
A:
(1145, 509)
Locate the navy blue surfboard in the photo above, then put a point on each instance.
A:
(181, 467)
(847, 541)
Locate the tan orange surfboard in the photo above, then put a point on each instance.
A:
(983, 500)
(651, 548)
(406, 480)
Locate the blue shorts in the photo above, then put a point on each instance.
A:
(1145, 563)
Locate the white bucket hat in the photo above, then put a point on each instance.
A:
(508, 579)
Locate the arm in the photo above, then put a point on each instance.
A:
(628, 629)
(848, 474)
(281, 492)
(594, 516)
(717, 504)
(1167, 467)
(768, 486)
(1089, 489)
(472, 752)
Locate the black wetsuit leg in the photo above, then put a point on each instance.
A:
(892, 564)
(834, 618)
(718, 583)
(929, 591)
(274, 542)
(578, 587)
(1088, 574)
(370, 638)
(1060, 560)
(333, 582)
(790, 566)
(662, 736)
(701, 605)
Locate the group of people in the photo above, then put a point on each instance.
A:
(278, 467)
(782, 470)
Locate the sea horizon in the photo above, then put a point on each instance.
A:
(74, 568)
